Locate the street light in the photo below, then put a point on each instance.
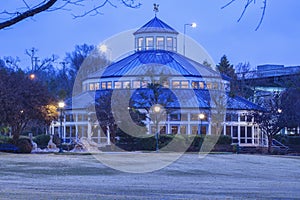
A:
(61, 106)
(201, 117)
(193, 25)
(32, 76)
(156, 110)
(279, 110)
(106, 50)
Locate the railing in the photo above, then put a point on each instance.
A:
(276, 143)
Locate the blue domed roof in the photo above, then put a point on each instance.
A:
(157, 62)
(155, 25)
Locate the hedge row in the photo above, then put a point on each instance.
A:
(171, 142)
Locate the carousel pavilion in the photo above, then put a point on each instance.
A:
(197, 90)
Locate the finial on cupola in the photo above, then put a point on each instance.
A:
(155, 9)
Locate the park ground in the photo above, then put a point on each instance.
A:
(217, 176)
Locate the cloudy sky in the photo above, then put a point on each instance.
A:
(276, 42)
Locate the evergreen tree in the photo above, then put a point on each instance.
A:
(226, 68)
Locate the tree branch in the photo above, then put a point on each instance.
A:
(247, 4)
(27, 14)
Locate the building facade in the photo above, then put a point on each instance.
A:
(200, 102)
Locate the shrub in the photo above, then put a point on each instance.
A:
(5, 140)
(42, 140)
(24, 145)
(225, 139)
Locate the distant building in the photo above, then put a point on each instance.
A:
(268, 80)
(156, 54)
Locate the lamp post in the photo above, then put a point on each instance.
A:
(193, 25)
(201, 117)
(61, 106)
(156, 110)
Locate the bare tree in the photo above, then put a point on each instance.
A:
(270, 120)
(30, 9)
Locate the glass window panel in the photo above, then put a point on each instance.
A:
(136, 84)
(234, 131)
(97, 86)
(91, 86)
(109, 85)
(215, 86)
(183, 129)
(160, 43)
(169, 44)
(228, 130)
(195, 85)
(175, 84)
(209, 86)
(118, 85)
(228, 117)
(194, 117)
(174, 117)
(242, 118)
(242, 132)
(163, 130)
(174, 44)
(194, 130)
(201, 85)
(103, 85)
(149, 43)
(184, 84)
(126, 84)
(140, 43)
(249, 132)
(184, 117)
(174, 129)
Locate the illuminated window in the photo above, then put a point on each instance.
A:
(109, 85)
(91, 86)
(136, 84)
(175, 84)
(160, 43)
(126, 84)
(140, 43)
(201, 85)
(118, 85)
(149, 43)
(97, 86)
(103, 85)
(195, 85)
(184, 84)
(169, 44)
(209, 86)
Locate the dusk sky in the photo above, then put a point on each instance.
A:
(276, 42)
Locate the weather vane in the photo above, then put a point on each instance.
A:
(155, 9)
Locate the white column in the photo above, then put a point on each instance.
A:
(89, 129)
(64, 127)
(108, 136)
(188, 124)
